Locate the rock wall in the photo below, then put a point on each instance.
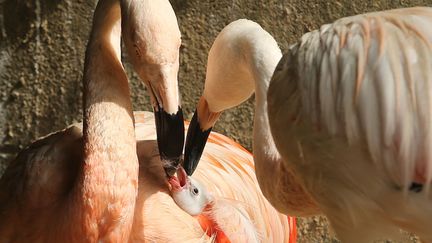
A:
(41, 61)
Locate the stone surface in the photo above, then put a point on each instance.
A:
(41, 60)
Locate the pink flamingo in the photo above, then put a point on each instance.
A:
(84, 185)
(242, 60)
(69, 187)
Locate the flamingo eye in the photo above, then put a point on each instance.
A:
(195, 191)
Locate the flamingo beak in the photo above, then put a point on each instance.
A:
(170, 138)
(196, 140)
(169, 123)
(161, 82)
(199, 129)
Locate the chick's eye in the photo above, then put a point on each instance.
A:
(195, 191)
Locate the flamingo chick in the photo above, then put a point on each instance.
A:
(219, 217)
(189, 194)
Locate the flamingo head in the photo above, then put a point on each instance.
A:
(189, 194)
(152, 39)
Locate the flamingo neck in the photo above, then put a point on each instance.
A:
(265, 152)
(109, 177)
(277, 181)
(266, 157)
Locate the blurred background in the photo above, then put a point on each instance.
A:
(42, 47)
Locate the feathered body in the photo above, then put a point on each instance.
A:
(350, 111)
(157, 218)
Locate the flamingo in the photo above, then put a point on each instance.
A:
(56, 191)
(242, 60)
(350, 111)
(233, 223)
(210, 217)
(322, 136)
(81, 186)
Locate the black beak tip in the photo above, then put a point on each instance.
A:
(170, 137)
(195, 142)
(190, 167)
(171, 165)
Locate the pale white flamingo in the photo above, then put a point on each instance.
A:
(350, 111)
(63, 188)
(242, 60)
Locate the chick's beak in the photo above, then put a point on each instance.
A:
(199, 129)
(179, 182)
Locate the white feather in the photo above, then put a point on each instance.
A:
(364, 88)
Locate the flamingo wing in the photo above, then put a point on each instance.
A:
(365, 79)
(349, 110)
(44, 171)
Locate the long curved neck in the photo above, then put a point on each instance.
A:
(266, 155)
(277, 182)
(108, 181)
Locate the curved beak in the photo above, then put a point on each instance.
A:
(170, 138)
(165, 99)
(162, 85)
(180, 182)
(199, 129)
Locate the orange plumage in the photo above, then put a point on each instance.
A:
(227, 171)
